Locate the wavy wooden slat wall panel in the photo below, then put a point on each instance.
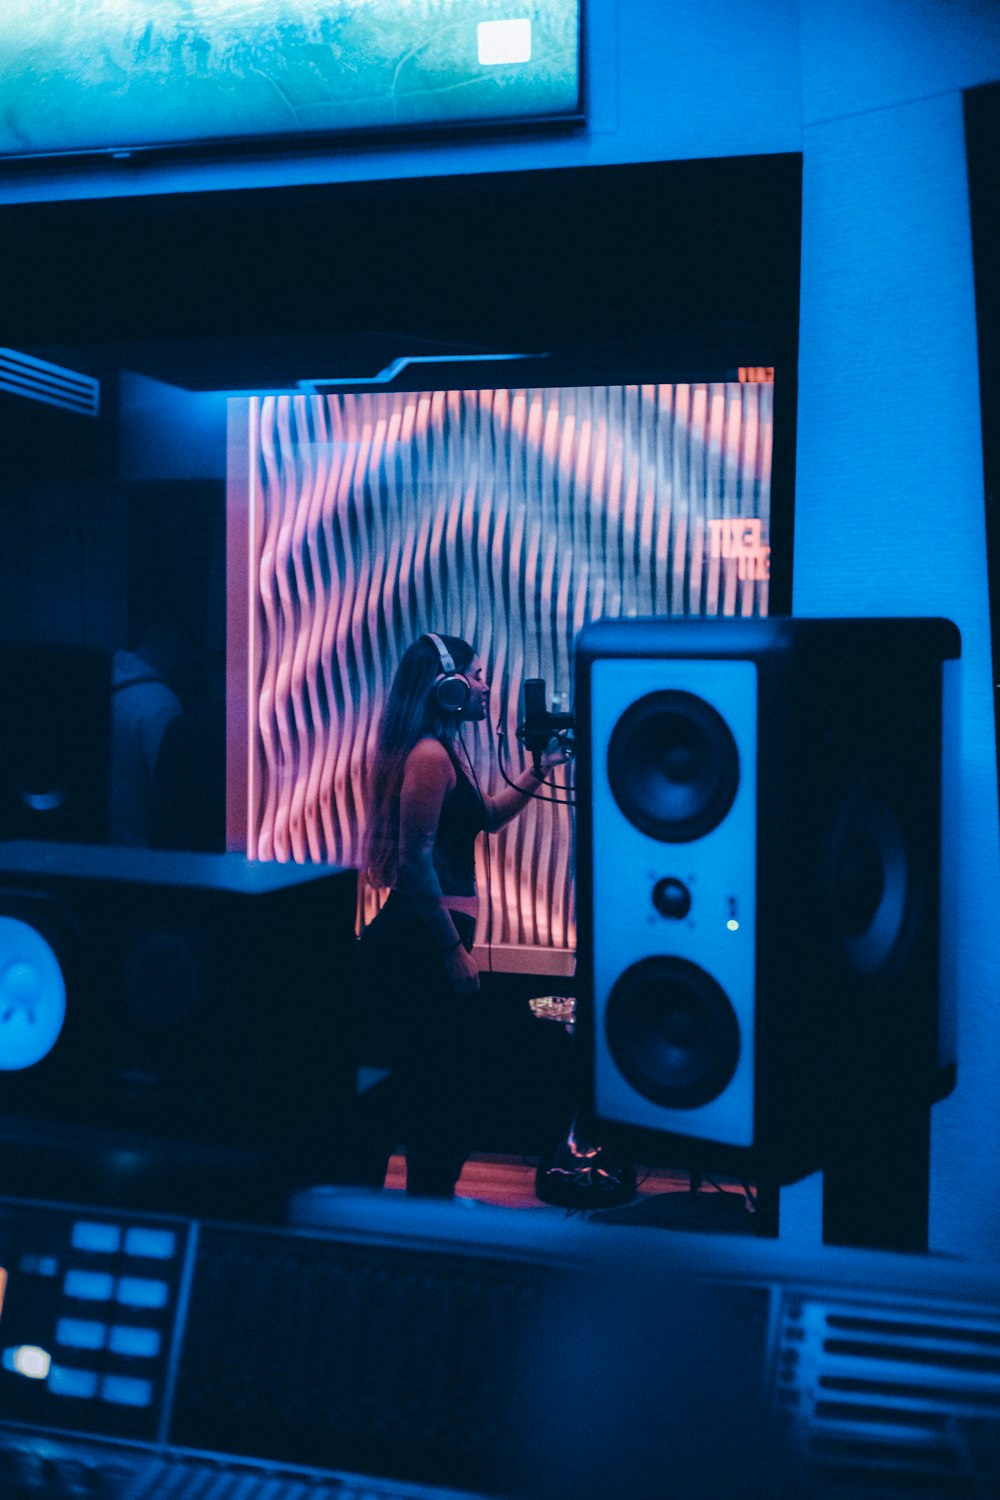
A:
(510, 517)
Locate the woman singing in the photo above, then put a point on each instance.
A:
(424, 814)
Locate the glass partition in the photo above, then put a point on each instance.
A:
(507, 516)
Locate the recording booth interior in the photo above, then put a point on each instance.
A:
(558, 409)
(264, 515)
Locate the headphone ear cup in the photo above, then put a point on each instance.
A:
(452, 692)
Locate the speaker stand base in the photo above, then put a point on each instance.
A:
(876, 1181)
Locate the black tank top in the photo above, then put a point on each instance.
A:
(462, 818)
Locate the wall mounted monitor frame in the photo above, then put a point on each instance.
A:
(87, 84)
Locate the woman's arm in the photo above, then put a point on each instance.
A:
(506, 804)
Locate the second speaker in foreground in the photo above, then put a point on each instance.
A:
(758, 881)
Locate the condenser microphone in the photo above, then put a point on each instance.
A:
(538, 726)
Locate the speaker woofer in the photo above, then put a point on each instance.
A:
(873, 884)
(673, 766)
(672, 1032)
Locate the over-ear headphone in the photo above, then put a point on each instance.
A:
(451, 690)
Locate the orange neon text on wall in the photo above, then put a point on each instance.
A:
(741, 539)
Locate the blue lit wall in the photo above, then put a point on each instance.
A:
(889, 489)
(889, 478)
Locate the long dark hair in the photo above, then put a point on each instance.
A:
(410, 714)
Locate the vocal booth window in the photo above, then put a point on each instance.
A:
(510, 516)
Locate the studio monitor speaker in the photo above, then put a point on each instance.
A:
(757, 881)
(55, 741)
(156, 996)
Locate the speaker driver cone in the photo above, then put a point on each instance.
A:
(673, 766)
(873, 884)
(672, 1032)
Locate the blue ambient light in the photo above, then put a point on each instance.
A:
(137, 1343)
(89, 1286)
(127, 1390)
(141, 1291)
(151, 1244)
(67, 1380)
(97, 1237)
(81, 1333)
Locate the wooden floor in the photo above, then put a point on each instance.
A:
(510, 1181)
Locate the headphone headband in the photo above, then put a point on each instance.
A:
(451, 690)
(447, 661)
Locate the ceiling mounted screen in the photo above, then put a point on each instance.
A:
(118, 76)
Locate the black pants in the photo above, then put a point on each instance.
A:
(414, 1024)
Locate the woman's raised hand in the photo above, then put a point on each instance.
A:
(558, 751)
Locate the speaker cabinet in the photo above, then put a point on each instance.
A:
(757, 882)
(185, 1000)
(55, 744)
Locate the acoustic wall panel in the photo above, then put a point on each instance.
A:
(512, 517)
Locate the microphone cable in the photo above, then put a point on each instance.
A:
(536, 796)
